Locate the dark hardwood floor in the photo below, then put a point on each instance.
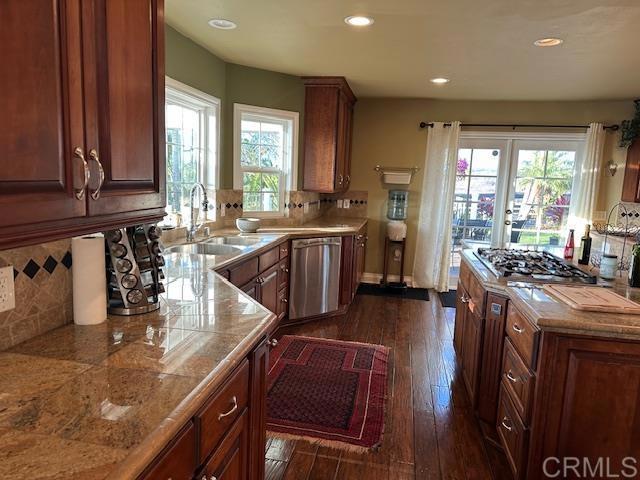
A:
(430, 431)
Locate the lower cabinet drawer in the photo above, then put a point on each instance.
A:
(230, 460)
(513, 435)
(524, 336)
(221, 410)
(243, 273)
(518, 380)
(178, 462)
(270, 257)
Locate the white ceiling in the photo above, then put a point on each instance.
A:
(484, 46)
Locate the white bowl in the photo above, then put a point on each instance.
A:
(248, 225)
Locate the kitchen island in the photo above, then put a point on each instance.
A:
(546, 376)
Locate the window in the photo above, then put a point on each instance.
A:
(192, 134)
(265, 157)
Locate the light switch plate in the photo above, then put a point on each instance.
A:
(339, 203)
(7, 293)
(223, 210)
(305, 208)
(346, 203)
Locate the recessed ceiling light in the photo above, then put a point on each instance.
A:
(358, 21)
(439, 80)
(548, 42)
(222, 24)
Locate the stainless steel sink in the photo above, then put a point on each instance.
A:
(239, 241)
(205, 249)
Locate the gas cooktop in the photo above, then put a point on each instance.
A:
(531, 266)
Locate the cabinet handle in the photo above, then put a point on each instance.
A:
(213, 477)
(93, 155)
(517, 328)
(284, 300)
(505, 425)
(233, 409)
(78, 153)
(511, 377)
(340, 179)
(273, 343)
(464, 299)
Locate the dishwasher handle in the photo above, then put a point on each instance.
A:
(315, 242)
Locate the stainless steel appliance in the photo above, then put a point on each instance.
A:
(315, 277)
(531, 266)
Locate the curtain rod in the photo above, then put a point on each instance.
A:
(514, 126)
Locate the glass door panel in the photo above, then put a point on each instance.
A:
(476, 219)
(540, 194)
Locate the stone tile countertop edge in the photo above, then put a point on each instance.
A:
(552, 315)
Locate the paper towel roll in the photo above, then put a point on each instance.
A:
(89, 280)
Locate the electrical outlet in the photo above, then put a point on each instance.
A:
(223, 210)
(346, 203)
(339, 203)
(7, 293)
(305, 208)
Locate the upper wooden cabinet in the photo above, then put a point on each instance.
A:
(329, 104)
(631, 185)
(83, 124)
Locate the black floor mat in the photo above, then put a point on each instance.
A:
(448, 299)
(410, 293)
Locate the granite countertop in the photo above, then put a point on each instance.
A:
(96, 402)
(551, 314)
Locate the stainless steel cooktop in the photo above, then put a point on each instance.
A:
(531, 266)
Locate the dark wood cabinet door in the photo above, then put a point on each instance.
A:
(41, 124)
(587, 401)
(491, 365)
(231, 460)
(631, 184)
(461, 309)
(124, 95)
(347, 269)
(471, 349)
(269, 288)
(259, 361)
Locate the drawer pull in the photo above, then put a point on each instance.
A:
(233, 409)
(517, 328)
(464, 299)
(284, 300)
(505, 425)
(93, 155)
(273, 343)
(511, 377)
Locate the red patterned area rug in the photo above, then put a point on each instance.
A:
(328, 392)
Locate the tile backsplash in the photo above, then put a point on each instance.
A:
(42, 277)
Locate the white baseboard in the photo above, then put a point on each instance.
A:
(368, 277)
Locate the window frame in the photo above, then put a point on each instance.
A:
(289, 174)
(189, 97)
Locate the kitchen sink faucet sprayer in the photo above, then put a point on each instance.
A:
(193, 227)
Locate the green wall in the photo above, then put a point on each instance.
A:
(190, 63)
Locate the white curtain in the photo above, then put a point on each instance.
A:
(433, 247)
(585, 184)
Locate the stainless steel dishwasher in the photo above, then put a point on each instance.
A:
(315, 277)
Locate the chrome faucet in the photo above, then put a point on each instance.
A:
(193, 226)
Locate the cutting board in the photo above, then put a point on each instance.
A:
(593, 299)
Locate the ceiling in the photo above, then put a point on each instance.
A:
(484, 47)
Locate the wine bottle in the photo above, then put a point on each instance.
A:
(585, 246)
(569, 248)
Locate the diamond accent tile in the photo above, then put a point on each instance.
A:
(15, 273)
(31, 269)
(67, 260)
(50, 264)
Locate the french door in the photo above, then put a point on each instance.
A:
(513, 190)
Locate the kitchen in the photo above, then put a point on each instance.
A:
(151, 139)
